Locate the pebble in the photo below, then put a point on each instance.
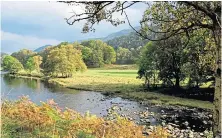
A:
(169, 127)
(205, 122)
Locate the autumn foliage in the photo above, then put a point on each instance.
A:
(26, 119)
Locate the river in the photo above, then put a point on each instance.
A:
(12, 88)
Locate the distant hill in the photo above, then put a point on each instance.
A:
(3, 54)
(41, 48)
(131, 40)
(118, 34)
(109, 38)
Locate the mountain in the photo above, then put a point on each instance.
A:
(110, 37)
(3, 54)
(41, 48)
(118, 34)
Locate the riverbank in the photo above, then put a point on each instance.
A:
(116, 82)
(123, 83)
(177, 120)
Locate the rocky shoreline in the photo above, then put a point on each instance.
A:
(178, 121)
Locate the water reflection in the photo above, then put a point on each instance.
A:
(12, 81)
(81, 101)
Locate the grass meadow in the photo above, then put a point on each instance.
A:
(115, 81)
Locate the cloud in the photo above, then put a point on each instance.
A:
(12, 42)
(44, 21)
(37, 12)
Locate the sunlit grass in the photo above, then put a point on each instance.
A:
(125, 84)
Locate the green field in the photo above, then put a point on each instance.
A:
(125, 84)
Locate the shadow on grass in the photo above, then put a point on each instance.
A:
(205, 94)
(104, 72)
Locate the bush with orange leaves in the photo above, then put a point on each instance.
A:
(26, 119)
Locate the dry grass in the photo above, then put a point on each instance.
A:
(26, 119)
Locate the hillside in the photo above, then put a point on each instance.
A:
(109, 38)
(41, 48)
(118, 34)
(131, 40)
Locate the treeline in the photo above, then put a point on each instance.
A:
(178, 61)
(61, 60)
(128, 48)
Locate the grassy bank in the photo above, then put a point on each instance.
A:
(25, 73)
(123, 83)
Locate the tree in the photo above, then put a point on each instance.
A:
(23, 55)
(123, 55)
(30, 64)
(11, 64)
(109, 55)
(171, 59)
(136, 53)
(96, 53)
(168, 19)
(37, 62)
(165, 59)
(174, 18)
(96, 57)
(148, 64)
(201, 58)
(86, 54)
(44, 54)
(64, 60)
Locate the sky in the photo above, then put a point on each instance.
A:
(32, 24)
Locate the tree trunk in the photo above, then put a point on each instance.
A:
(217, 92)
(177, 84)
(147, 83)
(197, 83)
(154, 80)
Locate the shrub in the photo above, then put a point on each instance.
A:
(26, 119)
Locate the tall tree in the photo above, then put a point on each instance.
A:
(123, 55)
(96, 57)
(96, 53)
(44, 54)
(109, 54)
(11, 64)
(23, 55)
(201, 53)
(148, 64)
(30, 65)
(37, 62)
(64, 60)
(171, 59)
